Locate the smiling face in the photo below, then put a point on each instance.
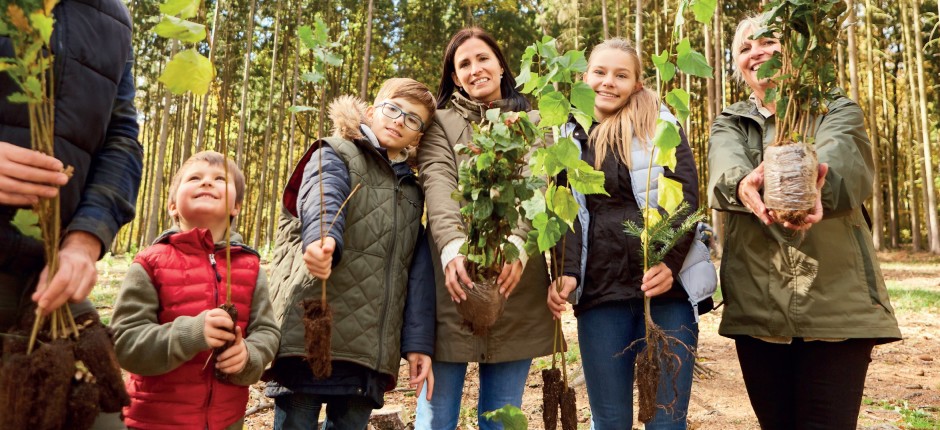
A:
(612, 74)
(477, 70)
(200, 198)
(749, 56)
(392, 133)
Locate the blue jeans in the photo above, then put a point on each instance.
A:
(301, 411)
(606, 332)
(500, 384)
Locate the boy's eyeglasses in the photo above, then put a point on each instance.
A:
(412, 121)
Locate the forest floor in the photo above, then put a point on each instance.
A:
(902, 390)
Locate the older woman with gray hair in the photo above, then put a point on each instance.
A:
(805, 308)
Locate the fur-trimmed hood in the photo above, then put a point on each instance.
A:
(346, 113)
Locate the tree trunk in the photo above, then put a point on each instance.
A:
(201, 130)
(853, 50)
(156, 208)
(617, 22)
(889, 114)
(367, 55)
(259, 210)
(877, 214)
(604, 19)
(638, 31)
(840, 61)
(934, 227)
(912, 125)
(243, 109)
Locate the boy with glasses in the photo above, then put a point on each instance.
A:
(375, 258)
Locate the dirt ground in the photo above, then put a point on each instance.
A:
(903, 375)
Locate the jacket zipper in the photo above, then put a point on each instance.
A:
(388, 272)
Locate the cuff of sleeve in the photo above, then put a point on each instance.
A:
(520, 244)
(192, 340)
(451, 251)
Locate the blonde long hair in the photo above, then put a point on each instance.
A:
(636, 118)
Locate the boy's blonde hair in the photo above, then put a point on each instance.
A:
(635, 118)
(213, 159)
(411, 90)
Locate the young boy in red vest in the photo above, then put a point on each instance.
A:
(167, 321)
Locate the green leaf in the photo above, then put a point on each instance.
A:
(537, 82)
(678, 99)
(770, 67)
(666, 69)
(704, 10)
(43, 24)
(576, 61)
(33, 88)
(182, 8)
(321, 30)
(667, 135)
(554, 109)
(18, 98)
(690, 61)
(666, 158)
(511, 417)
(332, 59)
(534, 206)
(312, 77)
(180, 29)
(27, 222)
(566, 153)
(670, 194)
(482, 208)
(305, 33)
(565, 206)
(583, 118)
(587, 180)
(551, 234)
(188, 71)
(582, 97)
(492, 115)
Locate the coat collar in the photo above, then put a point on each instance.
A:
(474, 111)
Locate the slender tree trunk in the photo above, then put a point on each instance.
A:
(912, 125)
(201, 130)
(934, 226)
(638, 30)
(877, 214)
(256, 240)
(295, 88)
(156, 208)
(888, 115)
(853, 50)
(188, 127)
(367, 55)
(243, 108)
(840, 61)
(617, 12)
(604, 19)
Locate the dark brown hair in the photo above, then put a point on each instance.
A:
(507, 84)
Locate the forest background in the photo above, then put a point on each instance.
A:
(888, 61)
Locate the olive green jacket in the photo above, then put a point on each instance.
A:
(526, 327)
(777, 282)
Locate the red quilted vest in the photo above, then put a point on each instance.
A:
(189, 272)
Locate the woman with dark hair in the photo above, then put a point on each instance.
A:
(475, 77)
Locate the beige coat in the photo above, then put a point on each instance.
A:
(525, 329)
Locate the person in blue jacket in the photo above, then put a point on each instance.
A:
(374, 256)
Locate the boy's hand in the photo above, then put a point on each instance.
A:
(419, 369)
(27, 175)
(319, 257)
(558, 294)
(657, 280)
(235, 358)
(216, 328)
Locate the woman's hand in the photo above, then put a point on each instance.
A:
(817, 214)
(456, 270)
(657, 280)
(509, 278)
(749, 194)
(558, 294)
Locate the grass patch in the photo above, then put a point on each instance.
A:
(573, 355)
(914, 418)
(914, 300)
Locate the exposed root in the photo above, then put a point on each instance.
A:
(318, 332)
(551, 395)
(569, 409)
(654, 360)
(483, 307)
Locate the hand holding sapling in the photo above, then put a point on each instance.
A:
(235, 358)
(217, 328)
(558, 294)
(319, 257)
(27, 175)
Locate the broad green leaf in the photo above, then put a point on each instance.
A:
(332, 59)
(511, 417)
(704, 10)
(534, 206)
(510, 251)
(587, 180)
(182, 8)
(566, 152)
(540, 220)
(678, 99)
(690, 61)
(27, 222)
(582, 97)
(188, 71)
(666, 69)
(312, 77)
(554, 109)
(305, 33)
(525, 70)
(666, 158)
(321, 32)
(576, 61)
(172, 27)
(670, 194)
(43, 24)
(552, 232)
(564, 204)
(482, 207)
(583, 118)
(33, 88)
(298, 109)
(770, 67)
(18, 98)
(667, 135)
(492, 115)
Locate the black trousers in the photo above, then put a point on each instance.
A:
(814, 385)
